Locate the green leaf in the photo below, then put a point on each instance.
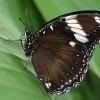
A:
(17, 83)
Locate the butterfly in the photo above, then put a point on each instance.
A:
(61, 49)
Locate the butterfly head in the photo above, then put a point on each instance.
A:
(28, 42)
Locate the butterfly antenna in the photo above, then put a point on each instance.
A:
(24, 23)
(27, 18)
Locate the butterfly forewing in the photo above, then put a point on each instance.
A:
(62, 49)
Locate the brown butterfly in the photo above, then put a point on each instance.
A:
(60, 50)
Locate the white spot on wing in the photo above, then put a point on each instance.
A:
(75, 25)
(68, 89)
(97, 19)
(29, 43)
(70, 81)
(51, 27)
(48, 84)
(62, 86)
(71, 21)
(70, 17)
(76, 63)
(67, 73)
(81, 32)
(74, 78)
(43, 32)
(77, 55)
(72, 44)
(41, 79)
(66, 83)
(28, 46)
(81, 38)
(64, 90)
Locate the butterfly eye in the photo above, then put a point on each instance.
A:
(27, 54)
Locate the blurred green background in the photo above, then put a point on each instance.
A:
(16, 83)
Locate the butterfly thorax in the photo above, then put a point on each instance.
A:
(29, 42)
